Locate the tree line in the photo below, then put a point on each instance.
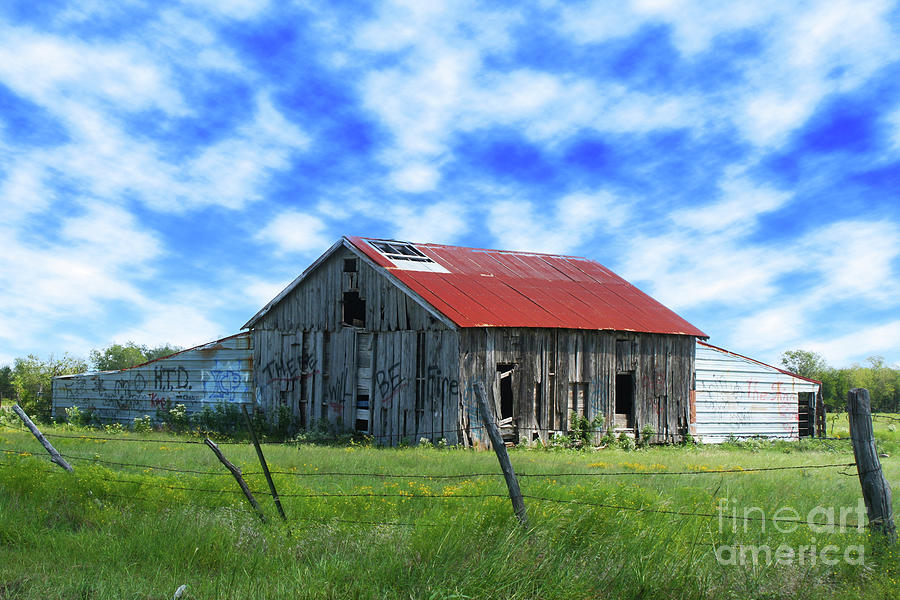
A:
(30, 379)
(882, 381)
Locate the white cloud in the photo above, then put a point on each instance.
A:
(182, 325)
(48, 69)
(741, 203)
(296, 231)
(442, 222)
(577, 218)
(97, 258)
(855, 346)
(807, 51)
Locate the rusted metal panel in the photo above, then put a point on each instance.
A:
(494, 288)
(214, 373)
(741, 397)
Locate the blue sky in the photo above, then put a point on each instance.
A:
(166, 168)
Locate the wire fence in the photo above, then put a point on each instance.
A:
(145, 483)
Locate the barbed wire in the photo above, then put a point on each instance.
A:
(454, 476)
(442, 497)
(663, 511)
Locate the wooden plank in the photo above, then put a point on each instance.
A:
(54, 455)
(407, 395)
(375, 400)
(449, 386)
(512, 483)
(875, 489)
(319, 375)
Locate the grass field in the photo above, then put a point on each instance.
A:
(435, 528)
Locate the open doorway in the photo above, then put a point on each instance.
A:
(624, 415)
(507, 402)
(805, 415)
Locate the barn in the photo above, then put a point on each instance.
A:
(739, 397)
(388, 338)
(219, 372)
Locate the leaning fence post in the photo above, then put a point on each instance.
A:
(515, 494)
(237, 475)
(262, 461)
(875, 489)
(54, 455)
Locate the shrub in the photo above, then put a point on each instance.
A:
(626, 442)
(79, 418)
(142, 424)
(582, 430)
(647, 433)
(609, 438)
(114, 428)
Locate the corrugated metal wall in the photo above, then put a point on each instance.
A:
(736, 396)
(217, 372)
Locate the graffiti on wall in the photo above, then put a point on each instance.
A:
(292, 368)
(225, 383)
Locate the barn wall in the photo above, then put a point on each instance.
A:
(739, 397)
(218, 372)
(316, 303)
(394, 377)
(558, 371)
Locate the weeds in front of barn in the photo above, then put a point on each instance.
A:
(120, 531)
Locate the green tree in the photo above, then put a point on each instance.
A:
(122, 356)
(804, 363)
(7, 390)
(161, 351)
(33, 381)
(118, 356)
(879, 379)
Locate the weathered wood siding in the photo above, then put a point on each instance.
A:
(218, 372)
(558, 371)
(316, 303)
(396, 375)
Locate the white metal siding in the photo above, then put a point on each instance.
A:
(215, 373)
(739, 397)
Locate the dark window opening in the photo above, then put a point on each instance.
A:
(351, 265)
(538, 404)
(506, 391)
(805, 415)
(354, 310)
(624, 400)
(362, 413)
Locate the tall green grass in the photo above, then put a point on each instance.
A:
(89, 535)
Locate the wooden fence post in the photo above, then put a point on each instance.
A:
(515, 494)
(237, 475)
(875, 489)
(54, 455)
(262, 461)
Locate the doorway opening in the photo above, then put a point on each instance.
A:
(506, 391)
(805, 415)
(624, 415)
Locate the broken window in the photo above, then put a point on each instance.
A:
(406, 256)
(506, 390)
(354, 310)
(351, 265)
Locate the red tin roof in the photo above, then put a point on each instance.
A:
(498, 288)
